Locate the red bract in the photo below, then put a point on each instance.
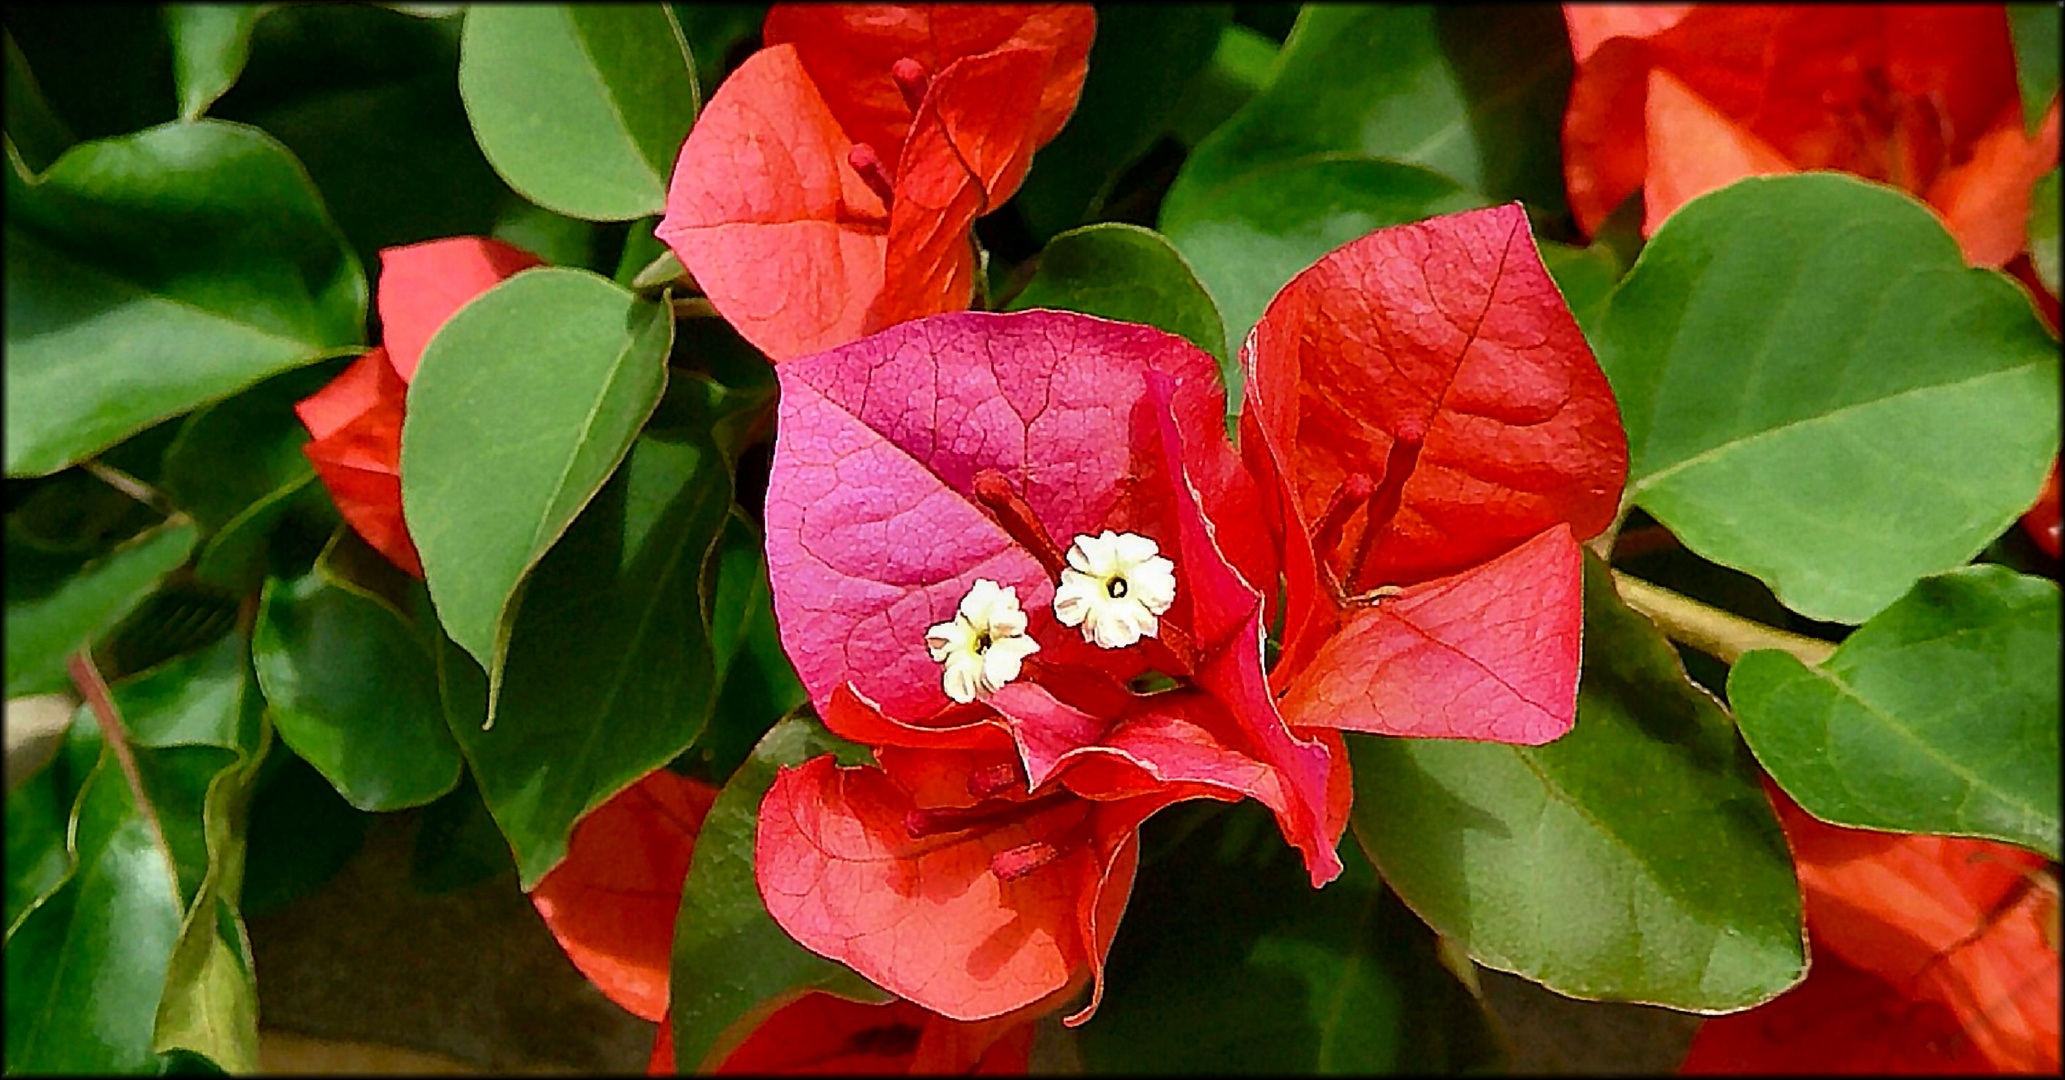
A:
(357, 418)
(819, 1034)
(1932, 954)
(985, 864)
(612, 902)
(828, 187)
(1679, 101)
(1441, 437)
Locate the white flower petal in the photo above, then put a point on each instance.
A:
(1115, 586)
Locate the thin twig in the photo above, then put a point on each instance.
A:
(129, 485)
(86, 676)
(1723, 635)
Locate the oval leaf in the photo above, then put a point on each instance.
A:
(610, 672)
(1940, 715)
(580, 107)
(44, 628)
(521, 407)
(1818, 392)
(732, 965)
(156, 272)
(354, 691)
(1255, 233)
(1633, 859)
(1127, 273)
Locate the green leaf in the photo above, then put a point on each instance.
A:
(1586, 275)
(39, 811)
(1819, 393)
(85, 969)
(210, 43)
(153, 273)
(715, 31)
(1633, 859)
(2043, 228)
(760, 685)
(1142, 61)
(458, 844)
(1473, 93)
(44, 628)
(610, 673)
(366, 98)
(1940, 715)
(1240, 67)
(733, 966)
(581, 108)
(522, 406)
(36, 132)
(353, 689)
(2035, 30)
(1228, 961)
(1128, 273)
(1253, 234)
(302, 833)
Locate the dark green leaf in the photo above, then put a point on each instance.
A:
(46, 627)
(106, 69)
(582, 108)
(1474, 93)
(523, 404)
(1228, 961)
(302, 833)
(85, 970)
(760, 685)
(1819, 392)
(1128, 273)
(1143, 59)
(1940, 715)
(1586, 275)
(365, 97)
(1240, 67)
(732, 964)
(38, 135)
(2035, 30)
(458, 844)
(353, 688)
(210, 43)
(610, 673)
(154, 273)
(38, 813)
(1253, 234)
(715, 32)
(1633, 859)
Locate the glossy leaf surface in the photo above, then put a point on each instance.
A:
(1940, 715)
(46, 627)
(580, 107)
(247, 279)
(210, 43)
(522, 406)
(1888, 411)
(1633, 859)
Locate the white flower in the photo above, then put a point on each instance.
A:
(1114, 586)
(984, 645)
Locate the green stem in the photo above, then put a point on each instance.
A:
(1723, 635)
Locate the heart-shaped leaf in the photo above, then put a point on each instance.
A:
(1470, 93)
(123, 312)
(580, 107)
(1940, 715)
(1818, 392)
(1127, 273)
(1633, 859)
(732, 965)
(522, 405)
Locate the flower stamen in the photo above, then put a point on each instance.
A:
(868, 163)
(984, 645)
(1115, 586)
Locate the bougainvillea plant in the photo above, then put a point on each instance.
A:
(1002, 538)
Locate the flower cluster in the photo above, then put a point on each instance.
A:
(1030, 704)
